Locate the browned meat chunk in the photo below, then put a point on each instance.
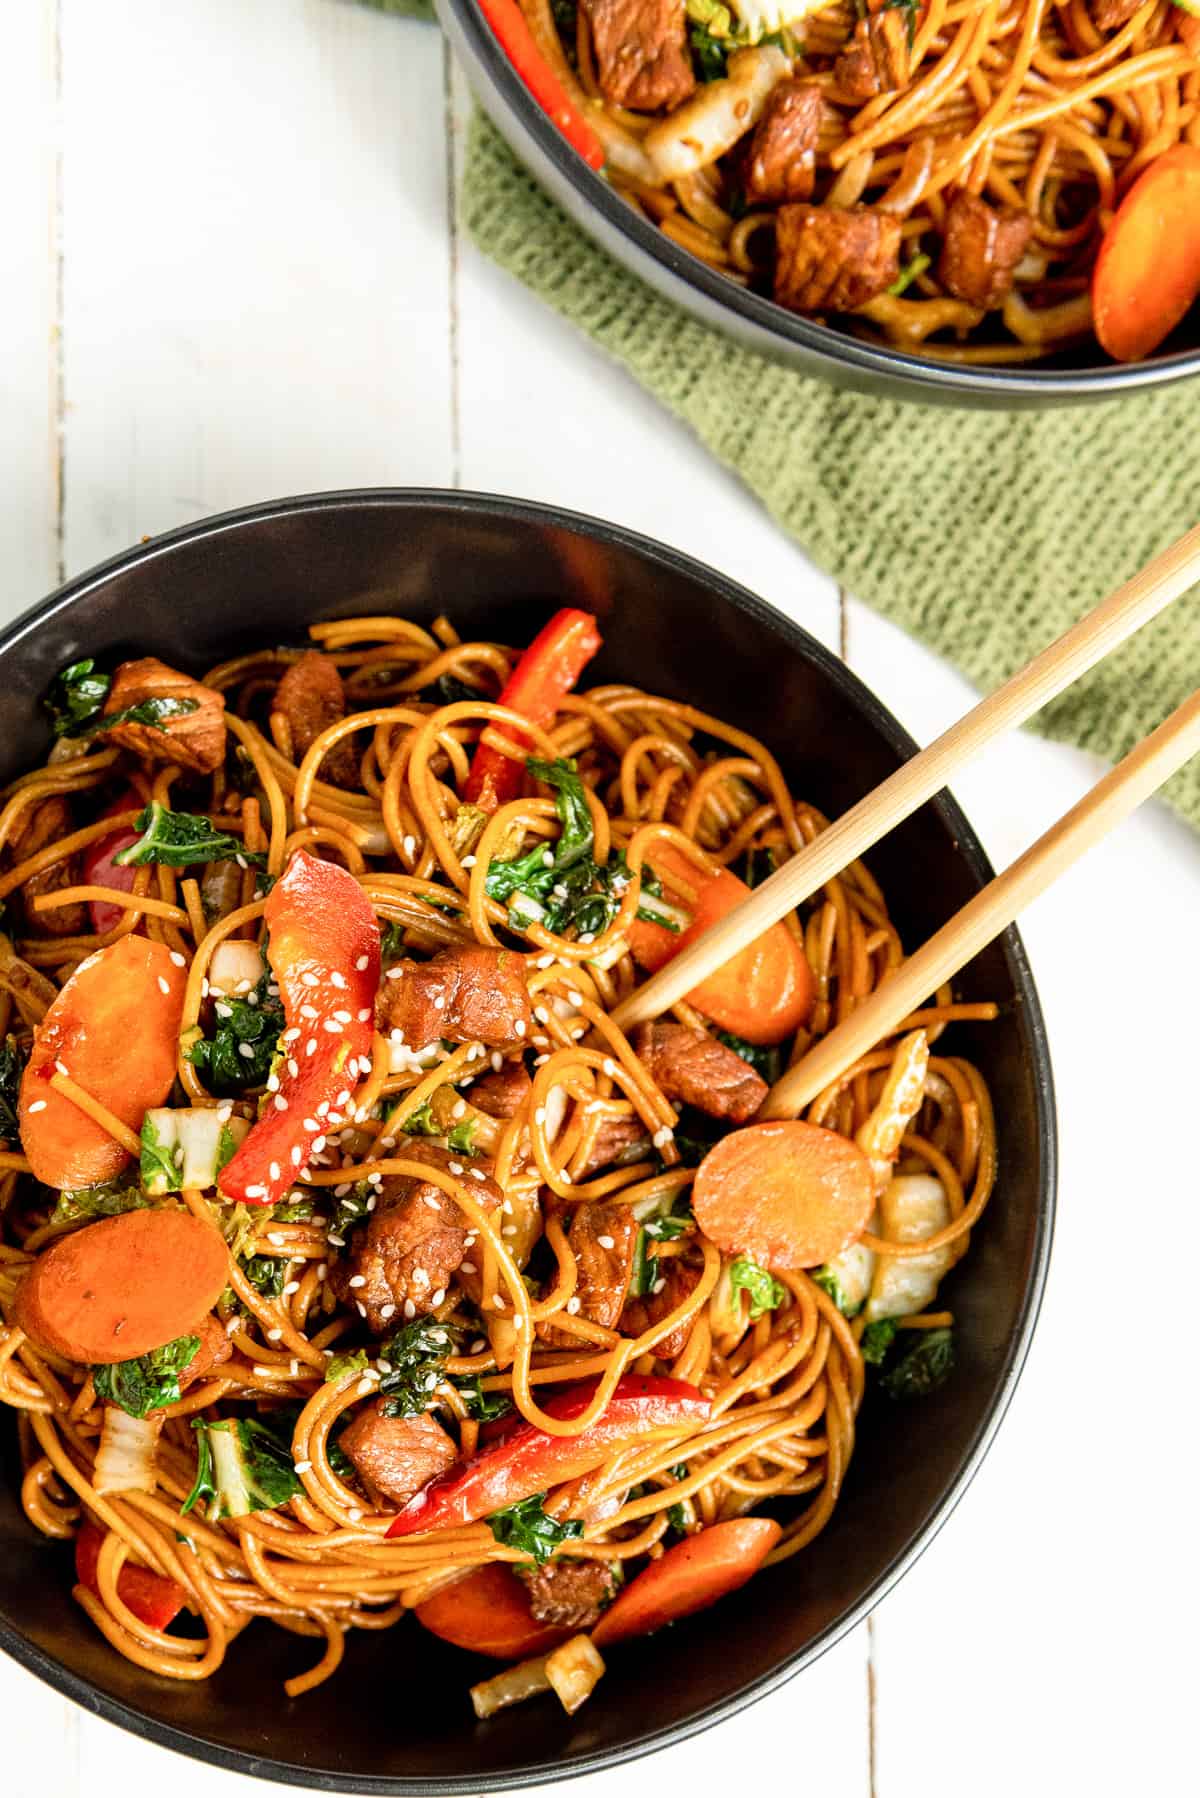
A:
(832, 261)
(42, 825)
(570, 1594)
(642, 58)
(501, 1094)
(311, 698)
(877, 59)
(395, 1456)
(603, 1239)
(466, 995)
(982, 248)
(400, 1262)
(699, 1071)
(615, 1142)
(1110, 15)
(215, 1347)
(783, 151)
(195, 740)
(677, 1278)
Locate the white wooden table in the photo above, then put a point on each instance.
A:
(229, 270)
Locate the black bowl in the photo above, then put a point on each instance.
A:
(396, 1718)
(758, 323)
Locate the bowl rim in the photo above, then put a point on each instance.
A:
(722, 304)
(473, 505)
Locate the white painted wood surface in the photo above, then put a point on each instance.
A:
(227, 272)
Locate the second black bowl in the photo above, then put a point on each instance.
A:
(396, 1718)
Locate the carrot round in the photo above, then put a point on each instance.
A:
(488, 1613)
(113, 1029)
(118, 1288)
(765, 992)
(689, 1577)
(1147, 273)
(788, 1195)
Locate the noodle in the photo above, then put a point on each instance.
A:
(784, 1386)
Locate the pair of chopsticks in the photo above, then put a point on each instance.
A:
(1134, 779)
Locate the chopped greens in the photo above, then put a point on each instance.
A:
(178, 839)
(447, 689)
(12, 1065)
(763, 1290)
(925, 1367)
(154, 712)
(340, 1366)
(460, 1138)
(525, 1526)
(561, 886)
(186, 1147)
(876, 1340)
(827, 1280)
(391, 941)
(241, 1466)
(267, 1274)
(348, 1213)
(909, 273)
(644, 1276)
(760, 864)
(150, 1381)
(109, 1199)
(240, 1051)
(75, 697)
(764, 1059)
(482, 1406)
(417, 1356)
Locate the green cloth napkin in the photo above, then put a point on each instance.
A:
(984, 534)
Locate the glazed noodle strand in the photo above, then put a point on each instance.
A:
(587, 1138)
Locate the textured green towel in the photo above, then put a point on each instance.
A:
(983, 533)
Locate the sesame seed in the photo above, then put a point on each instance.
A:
(467, 1267)
(223, 1011)
(297, 1155)
(609, 1066)
(309, 1124)
(231, 1325)
(303, 1466)
(274, 1335)
(542, 1014)
(246, 1050)
(310, 1047)
(427, 1198)
(662, 1137)
(256, 1192)
(291, 1287)
(658, 1286)
(354, 1513)
(455, 1167)
(410, 1310)
(332, 1025)
(573, 1304)
(164, 985)
(587, 936)
(363, 962)
(289, 1036)
(439, 1002)
(439, 1297)
(339, 980)
(310, 979)
(477, 1173)
(179, 960)
(276, 1237)
(509, 1230)
(337, 1242)
(606, 1242)
(478, 1346)
(362, 1312)
(309, 1011)
(322, 1108)
(318, 1144)
(224, 1113)
(386, 1311)
(364, 1014)
(275, 1171)
(357, 1280)
(498, 1302)
(559, 890)
(469, 861)
(343, 1098)
(339, 1192)
(241, 861)
(343, 1017)
(520, 1027)
(396, 973)
(62, 1068)
(565, 1177)
(410, 847)
(544, 961)
(497, 1060)
(272, 1083)
(293, 1067)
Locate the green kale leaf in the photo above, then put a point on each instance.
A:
(149, 1382)
(240, 1051)
(876, 1340)
(925, 1367)
(178, 839)
(76, 696)
(12, 1065)
(416, 1356)
(241, 1466)
(525, 1526)
(763, 1290)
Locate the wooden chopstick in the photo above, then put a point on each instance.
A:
(1123, 789)
(1163, 580)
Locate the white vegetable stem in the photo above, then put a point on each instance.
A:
(718, 114)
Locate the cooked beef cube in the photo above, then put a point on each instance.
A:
(502, 1093)
(678, 1278)
(833, 261)
(42, 825)
(699, 1071)
(982, 248)
(215, 1347)
(412, 1245)
(195, 740)
(877, 59)
(395, 1456)
(783, 151)
(1110, 15)
(603, 1240)
(642, 58)
(466, 995)
(615, 1142)
(311, 698)
(570, 1594)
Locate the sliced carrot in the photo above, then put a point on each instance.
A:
(689, 1577)
(488, 1612)
(114, 1029)
(765, 992)
(120, 1287)
(1147, 273)
(151, 1597)
(788, 1195)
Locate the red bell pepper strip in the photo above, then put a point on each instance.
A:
(528, 1460)
(100, 870)
(546, 672)
(154, 1600)
(520, 46)
(323, 947)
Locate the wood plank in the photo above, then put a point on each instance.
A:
(256, 298)
(1043, 1641)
